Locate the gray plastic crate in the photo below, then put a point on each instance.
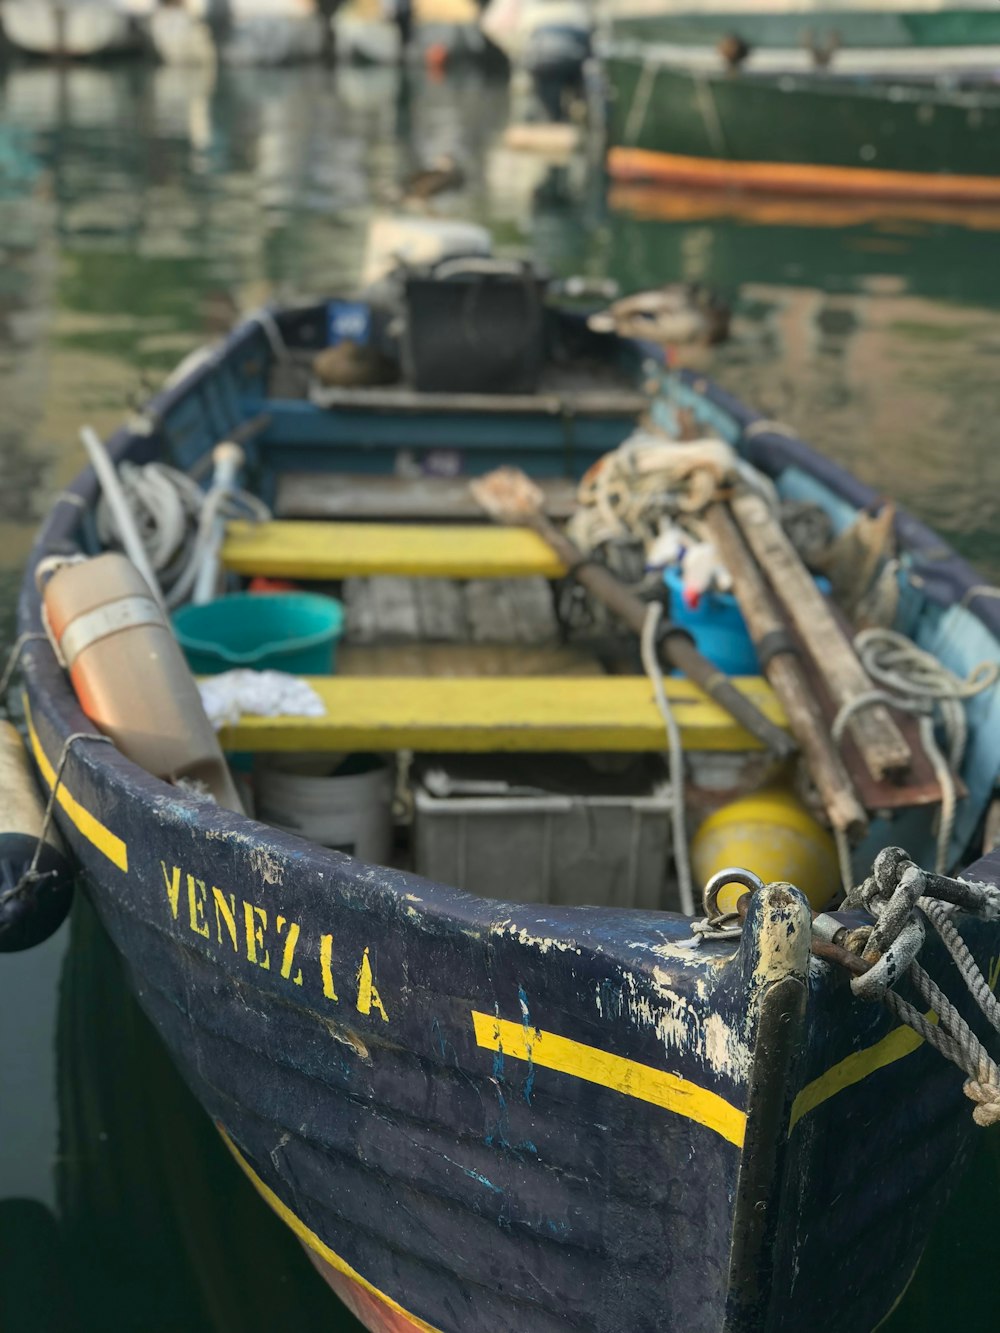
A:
(601, 848)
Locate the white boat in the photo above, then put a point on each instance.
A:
(239, 32)
(77, 29)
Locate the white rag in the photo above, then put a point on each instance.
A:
(229, 697)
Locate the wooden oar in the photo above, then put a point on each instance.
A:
(509, 496)
(780, 664)
(880, 741)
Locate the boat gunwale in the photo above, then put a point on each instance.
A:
(882, 86)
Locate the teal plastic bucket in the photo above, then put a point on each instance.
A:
(295, 632)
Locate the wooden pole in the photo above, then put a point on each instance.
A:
(676, 646)
(878, 738)
(780, 664)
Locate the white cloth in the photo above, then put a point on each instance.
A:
(232, 695)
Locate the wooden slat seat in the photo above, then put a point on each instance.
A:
(573, 713)
(361, 496)
(307, 550)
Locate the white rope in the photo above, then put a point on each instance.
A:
(651, 665)
(31, 876)
(14, 657)
(915, 681)
(175, 520)
(977, 590)
(630, 492)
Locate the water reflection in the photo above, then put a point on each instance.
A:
(872, 331)
(140, 211)
(155, 1228)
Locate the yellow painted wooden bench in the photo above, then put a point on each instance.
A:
(510, 713)
(313, 550)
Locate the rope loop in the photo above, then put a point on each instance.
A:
(32, 875)
(14, 658)
(904, 901)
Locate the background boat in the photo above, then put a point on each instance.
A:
(74, 29)
(894, 36)
(240, 32)
(811, 134)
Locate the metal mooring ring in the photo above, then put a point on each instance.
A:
(730, 875)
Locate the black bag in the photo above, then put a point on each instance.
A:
(474, 326)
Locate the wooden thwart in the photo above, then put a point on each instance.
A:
(528, 714)
(359, 495)
(304, 550)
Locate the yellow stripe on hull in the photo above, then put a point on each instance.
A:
(854, 1068)
(548, 1051)
(313, 1242)
(82, 820)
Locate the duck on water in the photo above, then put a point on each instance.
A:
(453, 999)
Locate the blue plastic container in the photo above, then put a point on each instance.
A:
(295, 632)
(717, 626)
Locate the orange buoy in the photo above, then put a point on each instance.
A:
(130, 675)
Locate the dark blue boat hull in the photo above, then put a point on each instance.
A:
(488, 1118)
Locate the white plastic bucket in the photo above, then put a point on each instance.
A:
(350, 811)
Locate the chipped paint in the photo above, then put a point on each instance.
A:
(267, 866)
(684, 1024)
(543, 943)
(784, 937)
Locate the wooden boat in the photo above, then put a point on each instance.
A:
(869, 99)
(556, 1109)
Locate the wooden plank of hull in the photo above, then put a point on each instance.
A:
(580, 713)
(304, 550)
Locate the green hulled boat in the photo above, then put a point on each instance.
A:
(817, 133)
(896, 99)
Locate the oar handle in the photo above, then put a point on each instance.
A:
(675, 648)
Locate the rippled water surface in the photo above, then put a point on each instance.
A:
(140, 212)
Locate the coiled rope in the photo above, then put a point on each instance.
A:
(913, 680)
(175, 519)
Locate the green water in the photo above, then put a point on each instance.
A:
(140, 212)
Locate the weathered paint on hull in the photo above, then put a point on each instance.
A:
(801, 136)
(376, 1311)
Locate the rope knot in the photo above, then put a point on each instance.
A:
(987, 1099)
